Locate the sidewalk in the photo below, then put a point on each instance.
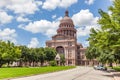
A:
(116, 75)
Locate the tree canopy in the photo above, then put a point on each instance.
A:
(10, 53)
(104, 44)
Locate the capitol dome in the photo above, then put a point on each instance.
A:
(66, 27)
(66, 19)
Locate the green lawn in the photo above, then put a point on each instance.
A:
(116, 68)
(17, 72)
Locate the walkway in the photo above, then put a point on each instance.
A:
(79, 73)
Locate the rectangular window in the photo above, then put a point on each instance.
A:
(70, 62)
(69, 53)
(49, 44)
(78, 57)
(69, 43)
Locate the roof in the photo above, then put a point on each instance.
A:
(66, 18)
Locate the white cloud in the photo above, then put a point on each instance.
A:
(53, 4)
(33, 43)
(84, 31)
(4, 2)
(21, 6)
(84, 20)
(109, 13)
(89, 2)
(59, 18)
(22, 19)
(86, 43)
(43, 26)
(67, 3)
(54, 16)
(8, 34)
(50, 4)
(5, 18)
(112, 0)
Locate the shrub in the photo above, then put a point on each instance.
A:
(53, 63)
(116, 68)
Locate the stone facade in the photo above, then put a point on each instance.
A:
(65, 42)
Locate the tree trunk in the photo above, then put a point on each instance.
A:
(111, 65)
(8, 64)
(30, 63)
(20, 63)
(25, 63)
(33, 64)
(1, 65)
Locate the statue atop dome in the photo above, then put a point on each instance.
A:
(67, 13)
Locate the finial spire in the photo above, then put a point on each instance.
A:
(66, 13)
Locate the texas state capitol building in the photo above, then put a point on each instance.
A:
(65, 42)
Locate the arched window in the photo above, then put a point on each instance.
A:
(60, 50)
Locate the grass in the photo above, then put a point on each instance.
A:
(22, 71)
(117, 68)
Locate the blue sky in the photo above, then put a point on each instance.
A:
(32, 22)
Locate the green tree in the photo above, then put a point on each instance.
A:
(2, 50)
(106, 41)
(115, 9)
(33, 56)
(50, 54)
(25, 55)
(62, 59)
(11, 53)
(40, 55)
(8, 53)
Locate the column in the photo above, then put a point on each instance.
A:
(63, 31)
(66, 63)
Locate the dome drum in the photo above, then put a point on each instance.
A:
(66, 25)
